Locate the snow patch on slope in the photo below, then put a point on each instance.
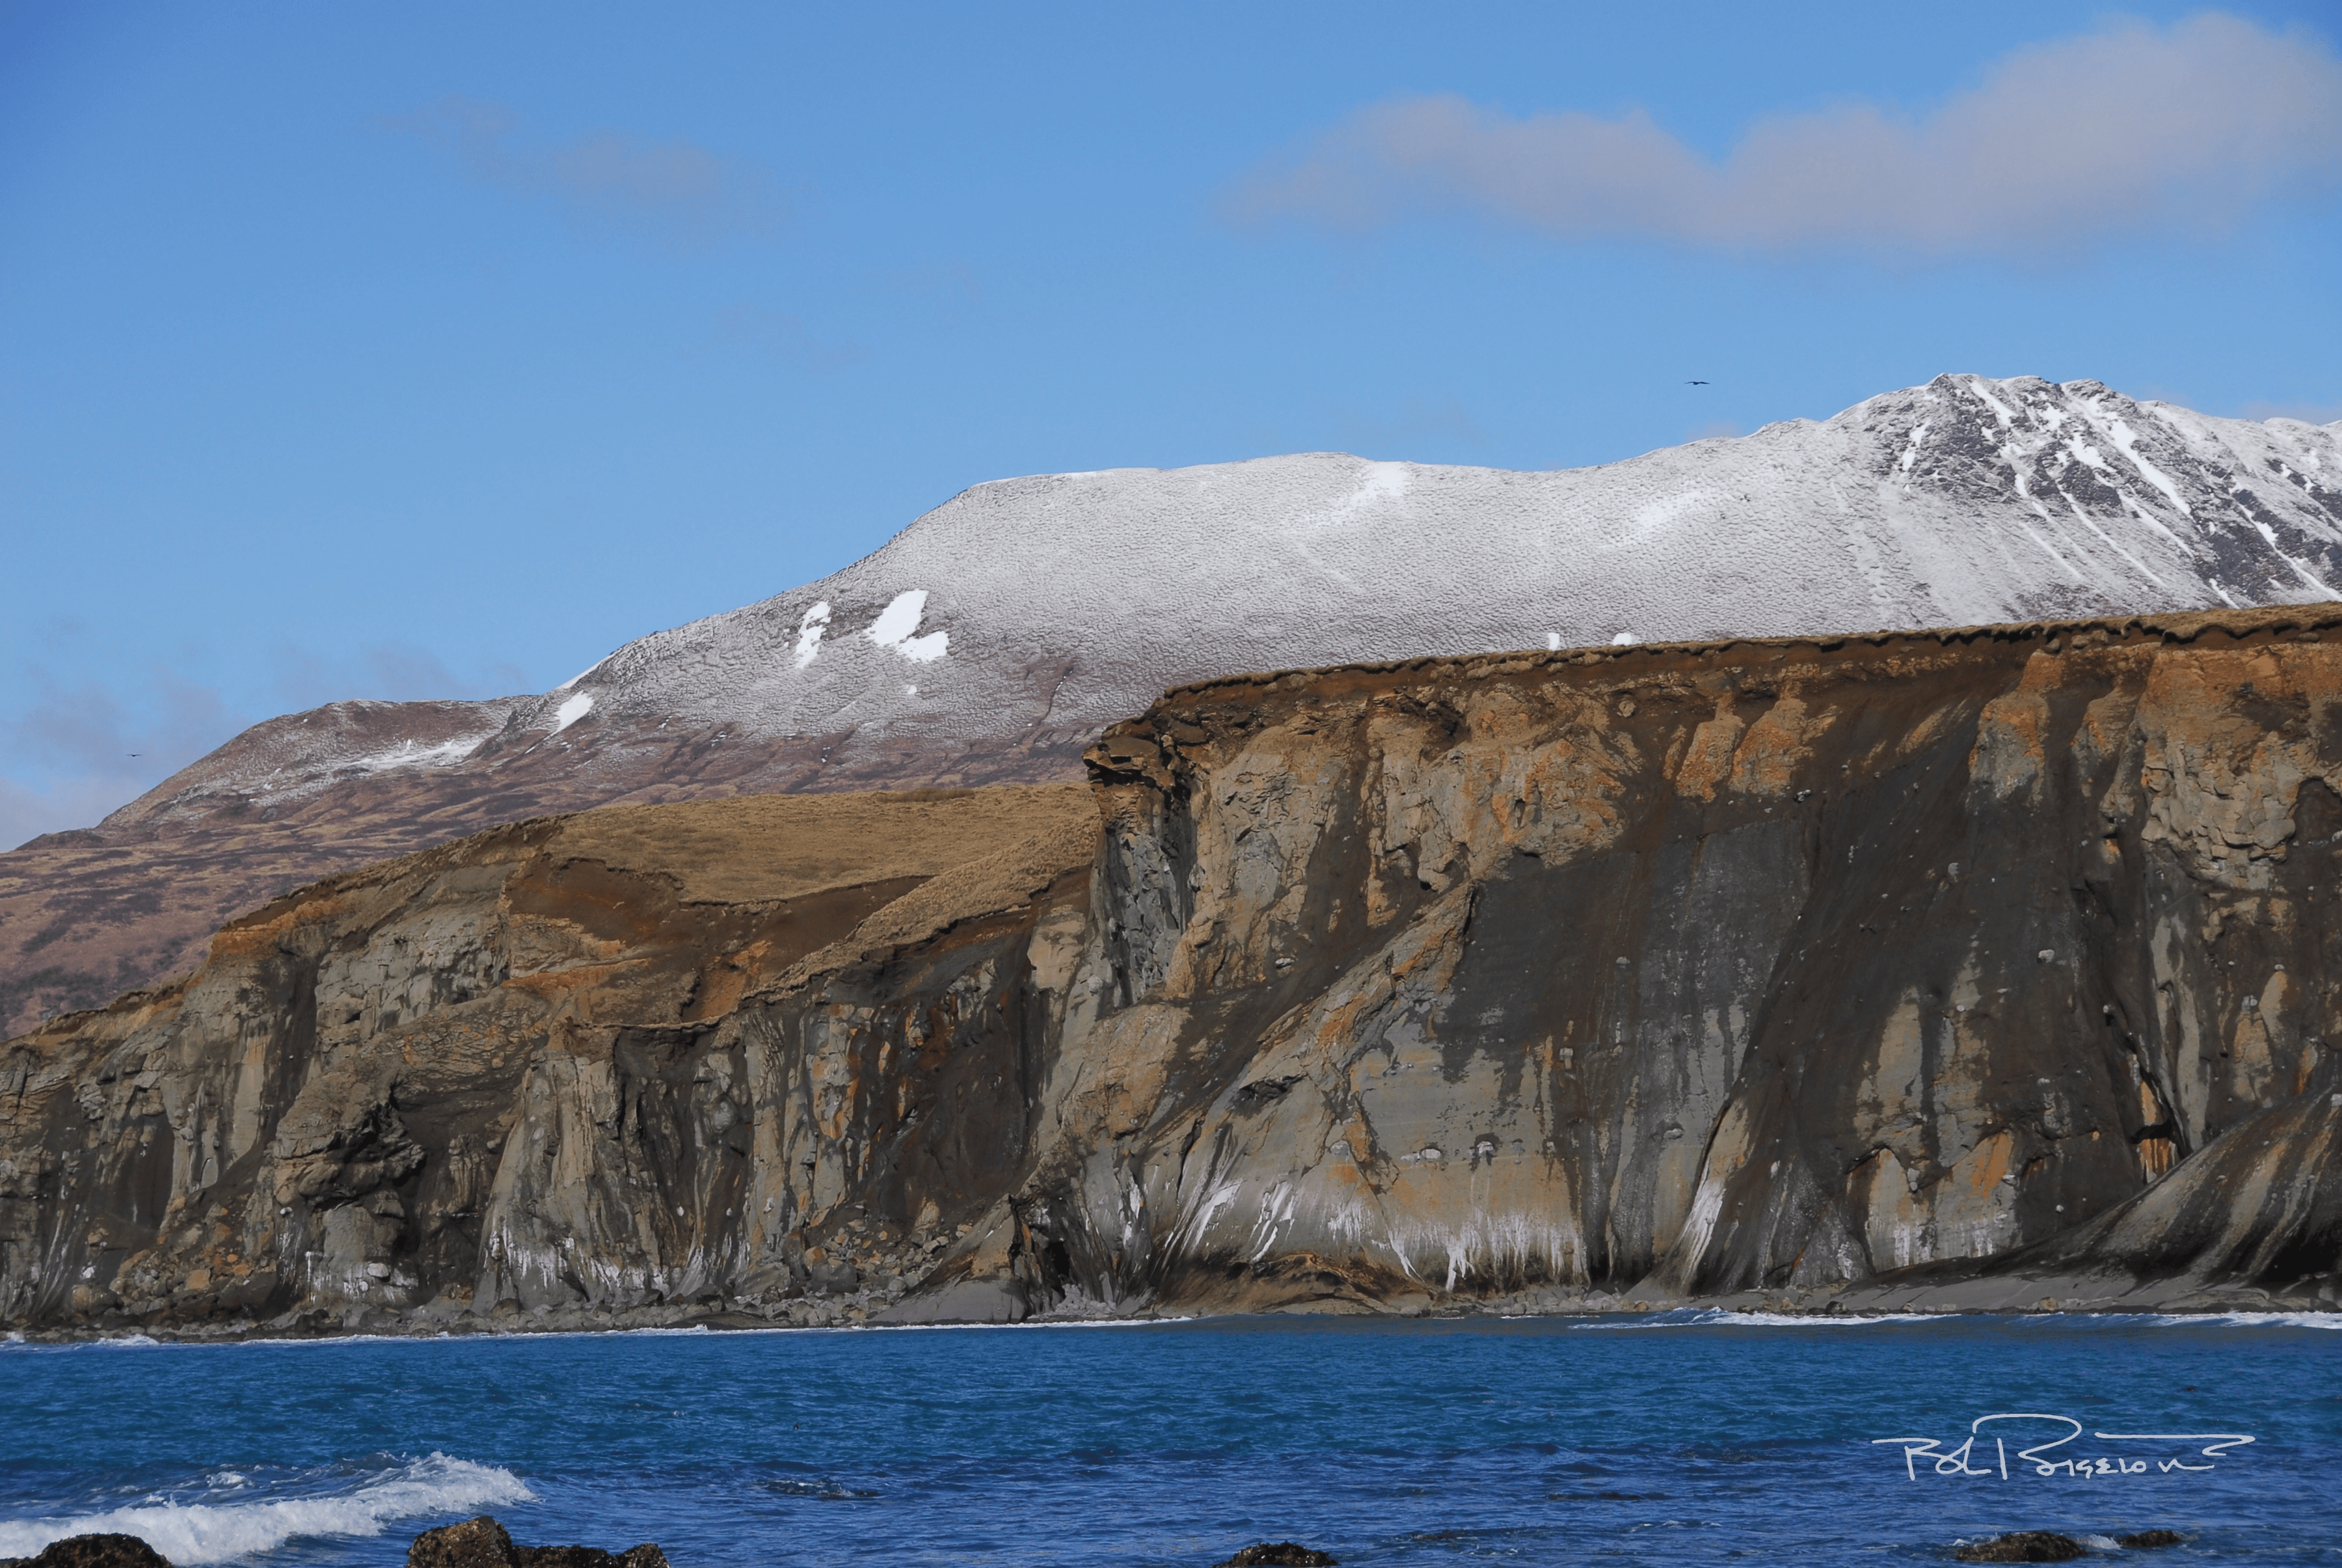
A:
(900, 619)
(809, 630)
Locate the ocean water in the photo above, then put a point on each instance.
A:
(1697, 1438)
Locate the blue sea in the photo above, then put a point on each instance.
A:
(1695, 1437)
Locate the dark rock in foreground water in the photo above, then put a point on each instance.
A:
(479, 1542)
(1280, 1555)
(643, 1556)
(483, 1543)
(93, 1551)
(2023, 1546)
(2140, 1538)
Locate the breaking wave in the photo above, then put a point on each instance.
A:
(1718, 1317)
(221, 1527)
(2239, 1319)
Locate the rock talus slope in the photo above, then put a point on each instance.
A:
(997, 635)
(1967, 968)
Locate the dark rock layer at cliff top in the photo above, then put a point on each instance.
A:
(1964, 968)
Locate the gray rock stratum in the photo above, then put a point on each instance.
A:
(1973, 968)
(997, 636)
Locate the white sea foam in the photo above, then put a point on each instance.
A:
(198, 1532)
(1717, 1317)
(2237, 1320)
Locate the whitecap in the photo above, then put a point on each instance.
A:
(2239, 1319)
(205, 1532)
(1718, 1317)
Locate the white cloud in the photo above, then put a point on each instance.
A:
(2131, 128)
(673, 188)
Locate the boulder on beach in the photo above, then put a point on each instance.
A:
(93, 1551)
(2023, 1546)
(1280, 1555)
(483, 1543)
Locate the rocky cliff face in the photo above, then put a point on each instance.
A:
(1958, 968)
(995, 638)
(1674, 972)
(639, 1063)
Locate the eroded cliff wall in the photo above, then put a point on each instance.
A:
(1657, 972)
(609, 1068)
(1970, 967)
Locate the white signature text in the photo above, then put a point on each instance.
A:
(2047, 1450)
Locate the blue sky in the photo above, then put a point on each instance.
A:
(436, 350)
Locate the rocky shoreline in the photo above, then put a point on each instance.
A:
(872, 1313)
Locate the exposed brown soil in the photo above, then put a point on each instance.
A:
(88, 914)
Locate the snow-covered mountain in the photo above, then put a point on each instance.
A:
(997, 633)
(1063, 602)
(991, 639)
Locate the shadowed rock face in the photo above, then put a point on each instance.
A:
(1967, 968)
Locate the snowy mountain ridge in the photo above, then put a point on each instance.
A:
(991, 640)
(1023, 615)
(1068, 600)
